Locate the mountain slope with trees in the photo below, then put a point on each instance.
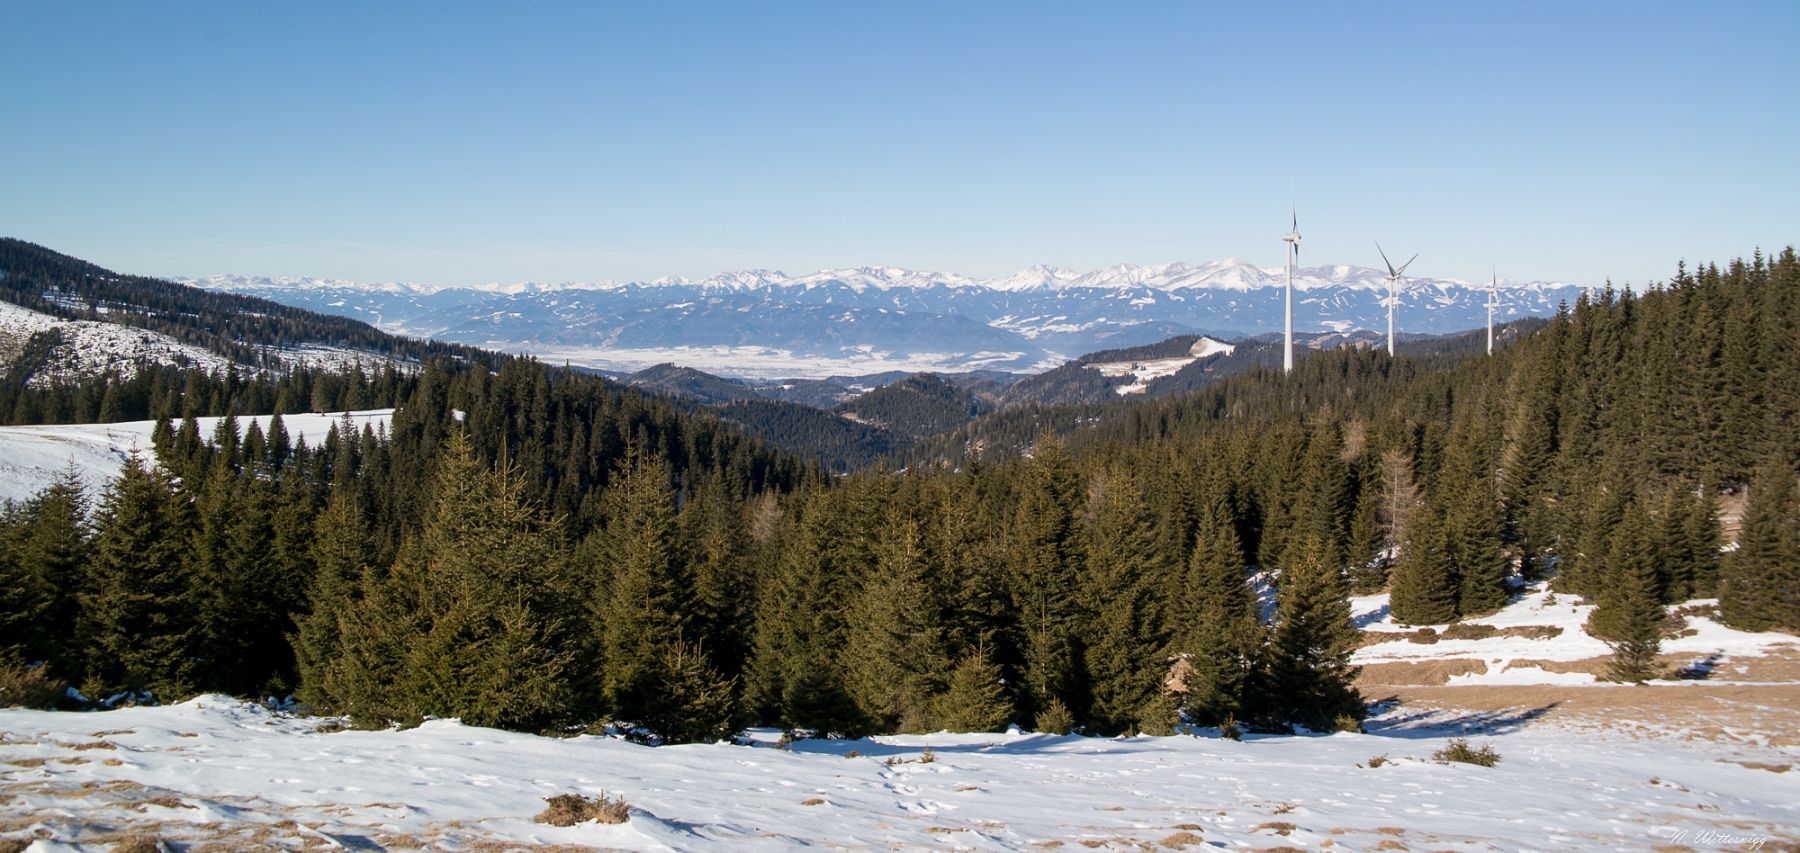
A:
(541, 550)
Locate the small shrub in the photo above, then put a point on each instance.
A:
(30, 687)
(1055, 719)
(926, 756)
(571, 809)
(1347, 723)
(855, 753)
(785, 741)
(1378, 761)
(1426, 636)
(331, 726)
(1459, 750)
(1229, 728)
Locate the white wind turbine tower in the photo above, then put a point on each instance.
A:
(1292, 239)
(1393, 291)
(1492, 303)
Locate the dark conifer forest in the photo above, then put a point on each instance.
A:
(537, 549)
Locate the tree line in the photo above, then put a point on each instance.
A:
(497, 558)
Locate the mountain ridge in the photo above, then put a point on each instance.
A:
(1226, 273)
(768, 324)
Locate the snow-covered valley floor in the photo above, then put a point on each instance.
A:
(220, 772)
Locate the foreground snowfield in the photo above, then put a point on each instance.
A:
(223, 771)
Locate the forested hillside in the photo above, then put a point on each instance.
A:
(244, 329)
(564, 555)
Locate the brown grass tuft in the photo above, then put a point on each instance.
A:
(1279, 827)
(140, 844)
(571, 809)
(813, 801)
(1182, 839)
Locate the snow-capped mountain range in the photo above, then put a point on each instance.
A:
(766, 322)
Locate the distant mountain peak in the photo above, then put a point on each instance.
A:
(1224, 274)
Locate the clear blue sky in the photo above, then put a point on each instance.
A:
(448, 143)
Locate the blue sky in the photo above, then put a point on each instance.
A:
(453, 143)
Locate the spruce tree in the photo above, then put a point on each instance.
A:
(1631, 577)
(44, 548)
(1311, 679)
(639, 600)
(1045, 552)
(894, 657)
(1223, 634)
(795, 677)
(1424, 584)
(1758, 582)
(138, 624)
(341, 556)
(1126, 655)
(476, 620)
(974, 699)
(1630, 614)
(694, 703)
(1700, 530)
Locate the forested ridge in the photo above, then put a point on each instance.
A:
(243, 329)
(514, 569)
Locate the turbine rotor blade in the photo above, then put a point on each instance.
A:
(1384, 259)
(1407, 264)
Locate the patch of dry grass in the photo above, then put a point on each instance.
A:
(1180, 840)
(571, 809)
(138, 843)
(1279, 827)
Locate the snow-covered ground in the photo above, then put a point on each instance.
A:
(1145, 371)
(216, 769)
(1548, 627)
(31, 457)
(90, 347)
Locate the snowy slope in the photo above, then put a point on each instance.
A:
(1535, 611)
(232, 774)
(31, 457)
(90, 347)
(1144, 371)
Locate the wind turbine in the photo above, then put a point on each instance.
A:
(1492, 303)
(1292, 239)
(1393, 291)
